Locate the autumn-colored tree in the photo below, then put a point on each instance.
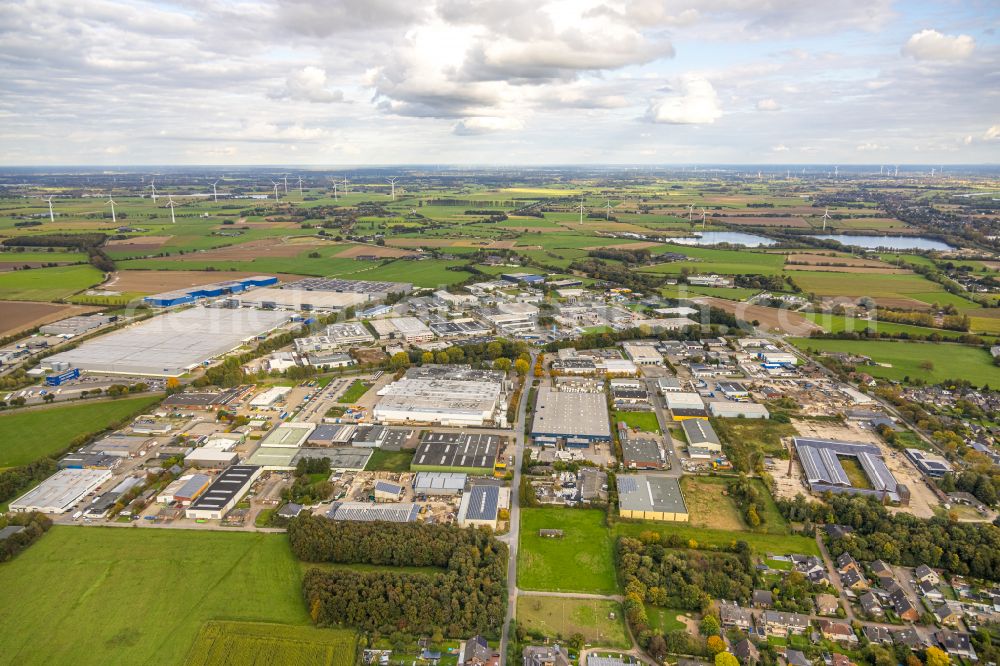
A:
(726, 659)
(936, 657)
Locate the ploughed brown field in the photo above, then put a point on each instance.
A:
(17, 316)
(774, 319)
(254, 250)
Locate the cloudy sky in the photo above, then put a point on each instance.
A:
(327, 82)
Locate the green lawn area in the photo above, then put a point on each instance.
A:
(28, 435)
(780, 544)
(825, 283)
(950, 361)
(221, 643)
(742, 435)
(664, 619)
(390, 461)
(357, 389)
(840, 323)
(581, 561)
(855, 473)
(710, 507)
(48, 284)
(726, 262)
(646, 421)
(153, 590)
(560, 618)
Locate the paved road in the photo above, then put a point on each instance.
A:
(512, 536)
(676, 470)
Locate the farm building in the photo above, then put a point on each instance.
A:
(224, 494)
(729, 409)
(578, 418)
(404, 512)
(439, 483)
(447, 395)
(171, 344)
(651, 497)
(59, 492)
(479, 507)
(214, 290)
(469, 453)
(824, 470)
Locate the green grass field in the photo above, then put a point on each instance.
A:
(48, 284)
(560, 618)
(32, 434)
(586, 550)
(152, 590)
(779, 544)
(840, 323)
(664, 619)
(390, 461)
(949, 361)
(645, 421)
(711, 507)
(357, 389)
(856, 285)
(710, 260)
(257, 643)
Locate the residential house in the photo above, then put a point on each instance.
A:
(837, 659)
(956, 644)
(763, 599)
(949, 614)
(839, 531)
(732, 616)
(746, 652)
(853, 580)
(929, 590)
(871, 606)
(882, 571)
(877, 633)
(903, 607)
(925, 573)
(908, 637)
(840, 632)
(826, 604)
(476, 651)
(797, 658)
(846, 562)
(780, 623)
(545, 655)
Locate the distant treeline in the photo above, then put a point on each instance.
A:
(87, 242)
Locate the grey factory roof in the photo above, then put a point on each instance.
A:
(341, 457)
(59, 491)
(439, 483)
(643, 492)
(449, 449)
(169, 344)
(700, 432)
(331, 432)
(192, 485)
(388, 487)
(822, 468)
(405, 512)
(355, 286)
(483, 503)
(571, 414)
(230, 483)
(643, 450)
(204, 398)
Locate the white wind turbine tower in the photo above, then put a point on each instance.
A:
(335, 197)
(345, 184)
(52, 216)
(300, 185)
(112, 202)
(215, 192)
(609, 209)
(581, 211)
(703, 215)
(836, 172)
(826, 216)
(392, 184)
(275, 183)
(170, 204)
(896, 173)
(152, 186)
(286, 182)
(881, 169)
(690, 211)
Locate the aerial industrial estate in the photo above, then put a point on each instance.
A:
(775, 467)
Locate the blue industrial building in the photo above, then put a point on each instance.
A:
(185, 296)
(57, 380)
(527, 278)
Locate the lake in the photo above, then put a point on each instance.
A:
(731, 237)
(886, 242)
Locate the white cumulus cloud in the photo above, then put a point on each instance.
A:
(695, 102)
(308, 84)
(487, 125)
(992, 133)
(930, 44)
(768, 104)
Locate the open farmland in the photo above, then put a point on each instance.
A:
(17, 316)
(586, 548)
(30, 434)
(907, 359)
(48, 284)
(152, 589)
(773, 319)
(257, 643)
(857, 285)
(560, 618)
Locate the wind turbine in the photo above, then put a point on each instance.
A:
(215, 192)
(836, 172)
(300, 184)
(152, 186)
(275, 183)
(286, 182)
(690, 211)
(703, 215)
(826, 216)
(335, 197)
(170, 204)
(345, 184)
(609, 209)
(112, 202)
(880, 169)
(392, 184)
(896, 172)
(581, 211)
(52, 217)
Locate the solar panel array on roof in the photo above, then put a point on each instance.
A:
(627, 484)
(483, 503)
(231, 482)
(470, 450)
(388, 487)
(364, 512)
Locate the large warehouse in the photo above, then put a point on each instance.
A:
(225, 493)
(290, 298)
(372, 290)
(470, 453)
(59, 492)
(213, 290)
(577, 418)
(651, 497)
(171, 344)
(823, 466)
(453, 395)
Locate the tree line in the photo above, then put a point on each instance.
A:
(35, 525)
(467, 596)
